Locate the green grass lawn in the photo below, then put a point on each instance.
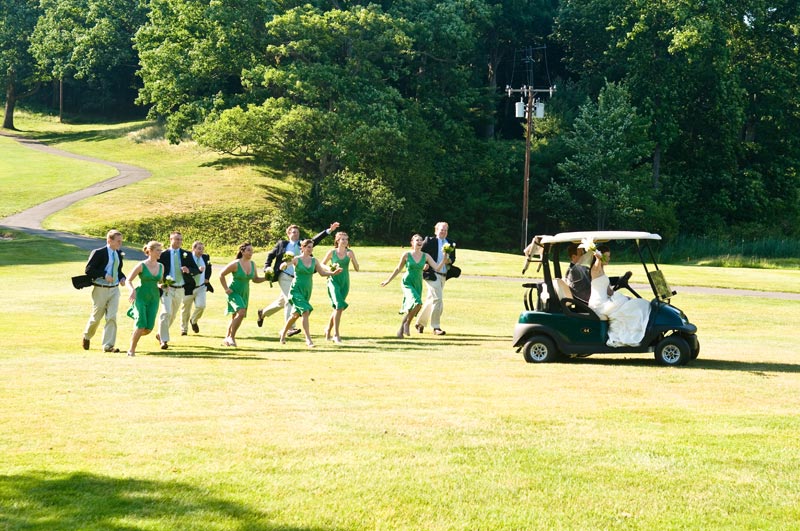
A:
(29, 177)
(435, 433)
(439, 433)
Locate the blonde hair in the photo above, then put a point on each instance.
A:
(339, 236)
(151, 245)
(113, 233)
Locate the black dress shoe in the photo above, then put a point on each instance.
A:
(260, 321)
(195, 328)
(293, 332)
(164, 346)
(184, 333)
(113, 350)
(85, 344)
(419, 328)
(438, 332)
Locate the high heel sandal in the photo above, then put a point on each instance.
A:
(337, 340)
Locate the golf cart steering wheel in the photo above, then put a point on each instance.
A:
(622, 282)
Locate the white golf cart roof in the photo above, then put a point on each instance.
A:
(597, 236)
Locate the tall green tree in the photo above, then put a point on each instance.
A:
(17, 65)
(607, 166)
(192, 54)
(88, 40)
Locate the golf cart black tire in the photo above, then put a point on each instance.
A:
(694, 344)
(673, 351)
(540, 349)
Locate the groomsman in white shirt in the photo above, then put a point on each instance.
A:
(434, 305)
(177, 265)
(105, 269)
(195, 289)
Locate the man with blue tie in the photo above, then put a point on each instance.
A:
(177, 264)
(195, 290)
(105, 268)
(434, 306)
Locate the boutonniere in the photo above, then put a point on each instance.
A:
(185, 254)
(122, 254)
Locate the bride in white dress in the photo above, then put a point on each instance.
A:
(627, 317)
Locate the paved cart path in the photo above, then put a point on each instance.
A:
(30, 220)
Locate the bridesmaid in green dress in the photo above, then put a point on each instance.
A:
(243, 271)
(305, 266)
(145, 299)
(414, 261)
(339, 286)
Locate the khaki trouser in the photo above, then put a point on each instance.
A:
(105, 303)
(285, 284)
(198, 298)
(434, 304)
(170, 304)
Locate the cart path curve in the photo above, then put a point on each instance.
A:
(30, 220)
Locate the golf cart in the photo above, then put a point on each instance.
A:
(556, 324)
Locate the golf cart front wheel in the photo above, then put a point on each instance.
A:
(673, 351)
(540, 349)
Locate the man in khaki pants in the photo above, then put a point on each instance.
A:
(105, 269)
(434, 304)
(177, 265)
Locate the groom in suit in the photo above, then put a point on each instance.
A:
(286, 276)
(177, 265)
(434, 305)
(105, 269)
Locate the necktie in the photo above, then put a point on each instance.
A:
(114, 266)
(176, 267)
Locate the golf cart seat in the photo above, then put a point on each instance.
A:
(570, 303)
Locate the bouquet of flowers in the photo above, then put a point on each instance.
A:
(590, 247)
(288, 256)
(269, 274)
(334, 267)
(167, 282)
(448, 248)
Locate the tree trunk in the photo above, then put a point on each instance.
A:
(11, 102)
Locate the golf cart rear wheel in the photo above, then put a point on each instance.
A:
(673, 351)
(540, 349)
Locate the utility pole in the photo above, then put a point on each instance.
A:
(525, 109)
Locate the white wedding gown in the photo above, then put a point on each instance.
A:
(627, 318)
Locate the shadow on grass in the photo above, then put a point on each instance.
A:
(45, 500)
(32, 250)
(755, 367)
(92, 135)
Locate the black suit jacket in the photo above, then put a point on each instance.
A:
(190, 285)
(98, 261)
(275, 256)
(430, 245)
(186, 260)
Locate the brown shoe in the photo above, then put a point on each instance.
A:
(260, 321)
(85, 344)
(438, 332)
(419, 328)
(113, 350)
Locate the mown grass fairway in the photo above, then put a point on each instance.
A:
(380, 433)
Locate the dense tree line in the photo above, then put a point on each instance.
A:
(673, 116)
